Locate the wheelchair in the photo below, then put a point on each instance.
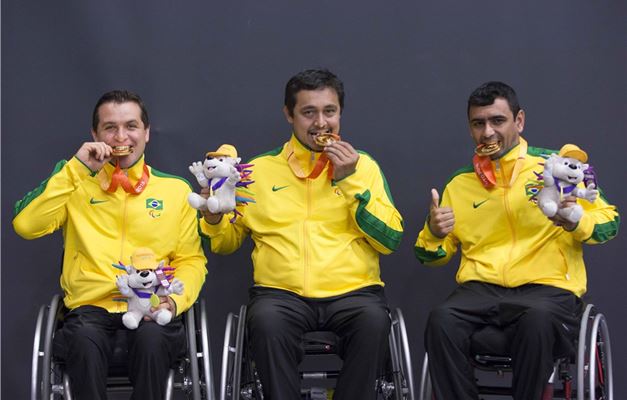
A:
(192, 376)
(590, 368)
(239, 379)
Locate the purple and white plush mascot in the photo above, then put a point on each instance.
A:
(145, 280)
(562, 174)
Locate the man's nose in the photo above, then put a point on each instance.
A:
(488, 132)
(320, 120)
(121, 134)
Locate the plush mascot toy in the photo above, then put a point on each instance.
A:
(222, 173)
(562, 173)
(145, 280)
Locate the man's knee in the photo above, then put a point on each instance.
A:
(440, 318)
(375, 320)
(536, 320)
(267, 320)
(84, 343)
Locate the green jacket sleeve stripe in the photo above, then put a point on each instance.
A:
(604, 232)
(374, 227)
(33, 194)
(426, 256)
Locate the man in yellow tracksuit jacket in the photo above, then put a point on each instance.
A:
(103, 224)
(519, 270)
(322, 216)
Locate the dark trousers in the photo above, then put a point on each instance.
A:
(276, 322)
(85, 344)
(543, 322)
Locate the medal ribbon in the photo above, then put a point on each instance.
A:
(294, 164)
(485, 172)
(119, 178)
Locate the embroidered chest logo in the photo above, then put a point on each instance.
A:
(476, 204)
(533, 187)
(154, 207)
(95, 201)
(277, 188)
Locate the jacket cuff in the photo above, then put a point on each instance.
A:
(584, 228)
(213, 230)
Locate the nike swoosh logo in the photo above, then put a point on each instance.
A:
(276, 189)
(475, 205)
(94, 201)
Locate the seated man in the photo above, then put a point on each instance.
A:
(518, 268)
(322, 216)
(109, 203)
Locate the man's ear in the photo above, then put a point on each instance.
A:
(94, 136)
(147, 134)
(289, 117)
(520, 121)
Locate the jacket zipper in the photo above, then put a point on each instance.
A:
(306, 237)
(508, 213)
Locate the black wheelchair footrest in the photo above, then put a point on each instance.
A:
(319, 375)
(490, 361)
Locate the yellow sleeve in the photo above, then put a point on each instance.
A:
(599, 222)
(225, 237)
(43, 209)
(371, 205)
(432, 250)
(188, 260)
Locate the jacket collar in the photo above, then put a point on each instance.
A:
(305, 156)
(507, 163)
(134, 172)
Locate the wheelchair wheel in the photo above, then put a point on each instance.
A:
(46, 379)
(425, 381)
(401, 358)
(594, 358)
(232, 355)
(198, 339)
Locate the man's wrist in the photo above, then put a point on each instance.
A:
(212, 219)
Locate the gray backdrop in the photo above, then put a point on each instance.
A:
(214, 71)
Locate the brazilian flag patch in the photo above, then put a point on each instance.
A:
(154, 204)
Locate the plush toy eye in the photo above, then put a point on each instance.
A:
(209, 158)
(221, 159)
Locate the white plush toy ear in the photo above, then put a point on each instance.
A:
(161, 264)
(584, 166)
(237, 160)
(129, 269)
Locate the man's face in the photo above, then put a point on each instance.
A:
(120, 124)
(495, 122)
(315, 111)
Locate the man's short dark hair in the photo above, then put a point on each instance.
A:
(119, 97)
(312, 79)
(485, 95)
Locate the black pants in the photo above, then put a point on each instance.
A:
(85, 343)
(544, 322)
(276, 322)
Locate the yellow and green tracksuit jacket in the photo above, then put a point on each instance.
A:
(313, 237)
(504, 237)
(101, 228)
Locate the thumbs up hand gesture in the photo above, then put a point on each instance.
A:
(441, 219)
